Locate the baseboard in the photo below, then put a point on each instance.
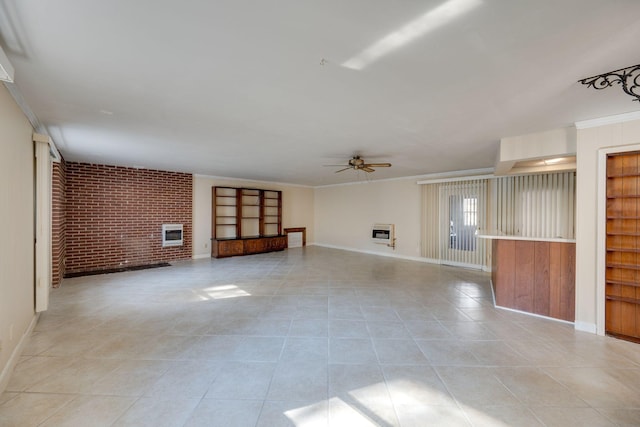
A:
(586, 327)
(201, 256)
(5, 375)
(409, 258)
(390, 255)
(534, 314)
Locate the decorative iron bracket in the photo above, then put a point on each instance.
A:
(628, 77)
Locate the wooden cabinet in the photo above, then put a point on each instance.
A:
(222, 248)
(246, 221)
(225, 248)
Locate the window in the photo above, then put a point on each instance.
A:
(470, 211)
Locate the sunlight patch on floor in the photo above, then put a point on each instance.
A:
(221, 292)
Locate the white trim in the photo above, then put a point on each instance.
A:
(368, 181)
(43, 225)
(608, 120)
(496, 236)
(459, 173)
(566, 322)
(456, 179)
(461, 265)
(405, 257)
(5, 375)
(201, 256)
(345, 248)
(473, 173)
(228, 178)
(601, 232)
(493, 292)
(601, 209)
(53, 150)
(586, 327)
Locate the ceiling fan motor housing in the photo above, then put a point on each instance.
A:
(356, 162)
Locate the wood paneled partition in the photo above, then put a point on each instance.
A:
(622, 307)
(535, 276)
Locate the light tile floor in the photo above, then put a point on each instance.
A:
(310, 337)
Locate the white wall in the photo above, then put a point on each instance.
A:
(16, 248)
(297, 208)
(344, 215)
(590, 142)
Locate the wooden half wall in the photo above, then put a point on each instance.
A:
(535, 276)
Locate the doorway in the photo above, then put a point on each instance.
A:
(462, 207)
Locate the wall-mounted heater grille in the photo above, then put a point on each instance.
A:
(382, 233)
(172, 235)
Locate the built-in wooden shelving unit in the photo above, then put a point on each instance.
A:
(246, 221)
(622, 278)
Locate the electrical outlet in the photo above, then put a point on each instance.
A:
(206, 245)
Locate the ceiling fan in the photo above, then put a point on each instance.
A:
(358, 164)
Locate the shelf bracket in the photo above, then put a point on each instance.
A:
(628, 78)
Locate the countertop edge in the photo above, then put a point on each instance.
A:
(533, 239)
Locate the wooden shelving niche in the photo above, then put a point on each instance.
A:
(246, 221)
(622, 309)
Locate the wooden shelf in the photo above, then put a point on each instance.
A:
(620, 233)
(628, 250)
(623, 175)
(624, 266)
(622, 282)
(623, 299)
(256, 211)
(623, 196)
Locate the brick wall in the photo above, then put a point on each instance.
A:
(58, 222)
(114, 216)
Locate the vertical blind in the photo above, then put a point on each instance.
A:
(540, 205)
(430, 221)
(535, 205)
(452, 214)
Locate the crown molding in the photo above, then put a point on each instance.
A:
(608, 120)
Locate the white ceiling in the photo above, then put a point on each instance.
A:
(262, 90)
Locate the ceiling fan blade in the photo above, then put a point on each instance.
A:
(341, 170)
(366, 168)
(377, 165)
(336, 166)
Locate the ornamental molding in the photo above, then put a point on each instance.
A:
(628, 78)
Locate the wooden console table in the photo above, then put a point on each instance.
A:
(302, 230)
